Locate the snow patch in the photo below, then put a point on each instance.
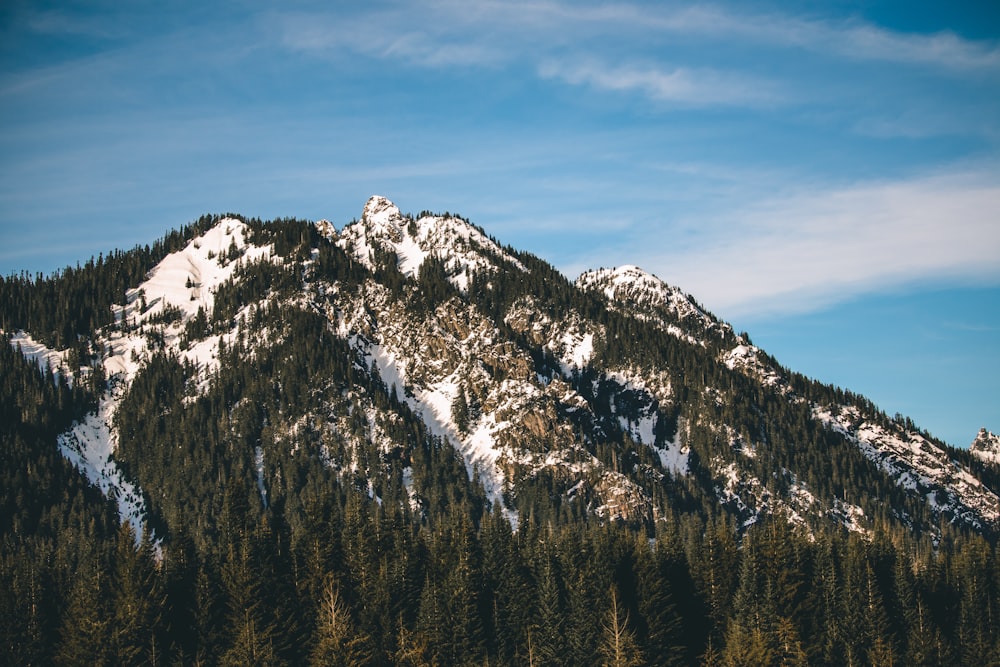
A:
(46, 358)
(187, 279)
(650, 299)
(433, 404)
(183, 283)
(89, 445)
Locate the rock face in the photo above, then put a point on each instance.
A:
(616, 397)
(986, 446)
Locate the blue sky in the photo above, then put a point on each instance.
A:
(824, 175)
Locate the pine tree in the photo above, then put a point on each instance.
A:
(619, 647)
(662, 644)
(137, 601)
(85, 633)
(412, 649)
(338, 642)
(251, 633)
(976, 628)
(881, 649)
(207, 620)
(548, 626)
(460, 411)
(789, 647)
(747, 647)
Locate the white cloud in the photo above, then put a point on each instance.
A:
(806, 251)
(853, 39)
(390, 35)
(689, 87)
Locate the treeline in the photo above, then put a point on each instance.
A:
(364, 584)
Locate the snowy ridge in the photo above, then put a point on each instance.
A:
(402, 354)
(89, 445)
(645, 396)
(747, 359)
(752, 500)
(518, 430)
(570, 339)
(53, 361)
(649, 298)
(175, 290)
(917, 464)
(451, 239)
(187, 279)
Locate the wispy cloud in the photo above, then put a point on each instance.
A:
(686, 86)
(806, 251)
(944, 49)
(512, 29)
(689, 56)
(853, 39)
(55, 22)
(389, 35)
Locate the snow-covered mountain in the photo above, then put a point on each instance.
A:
(616, 397)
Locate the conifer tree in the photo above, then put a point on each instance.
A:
(746, 647)
(85, 632)
(619, 647)
(338, 642)
(460, 411)
(251, 633)
(547, 627)
(137, 601)
(662, 643)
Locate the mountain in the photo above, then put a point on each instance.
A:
(615, 396)
(244, 383)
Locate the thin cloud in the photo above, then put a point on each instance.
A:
(386, 35)
(855, 40)
(506, 30)
(53, 22)
(808, 251)
(686, 86)
(628, 49)
(944, 48)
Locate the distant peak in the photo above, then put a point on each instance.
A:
(326, 228)
(627, 283)
(644, 293)
(449, 238)
(380, 211)
(986, 446)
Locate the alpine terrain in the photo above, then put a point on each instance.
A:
(402, 442)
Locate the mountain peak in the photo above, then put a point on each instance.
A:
(326, 228)
(382, 215)
(632, 287)
(462, 246)
(986, 446)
